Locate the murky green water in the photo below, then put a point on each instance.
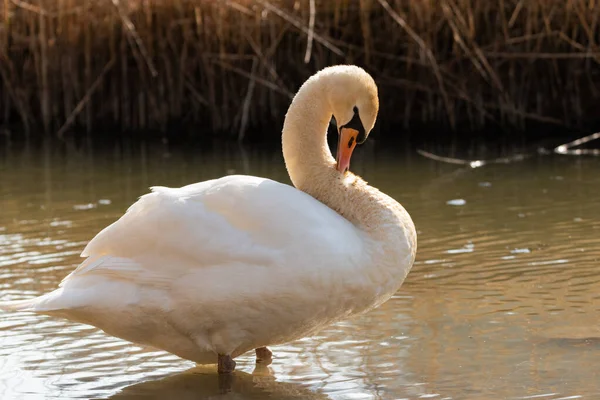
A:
(502, 303)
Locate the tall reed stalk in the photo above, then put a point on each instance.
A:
(228, 66)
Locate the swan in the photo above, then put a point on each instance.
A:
(215, 269)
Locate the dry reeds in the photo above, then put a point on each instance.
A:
(233, 64)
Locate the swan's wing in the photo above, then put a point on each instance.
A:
(232, 220)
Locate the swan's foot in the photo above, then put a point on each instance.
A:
(225, 365)
(264, 355)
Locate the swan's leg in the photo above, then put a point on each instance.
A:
(226, 382)
(263, 355)
(225, 365)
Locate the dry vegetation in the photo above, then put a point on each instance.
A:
(225, 66)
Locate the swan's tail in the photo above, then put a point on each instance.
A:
(36, 304)
(19, 305)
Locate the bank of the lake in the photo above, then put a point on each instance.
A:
(209, 67)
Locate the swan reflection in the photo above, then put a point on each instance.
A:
(203, 382)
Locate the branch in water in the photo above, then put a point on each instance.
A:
(473, 163)
(562, 149)
(566, 148)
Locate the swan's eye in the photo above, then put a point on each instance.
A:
(355, 109)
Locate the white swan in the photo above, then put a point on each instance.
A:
(212, 270)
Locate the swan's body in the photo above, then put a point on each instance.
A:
(233, 264)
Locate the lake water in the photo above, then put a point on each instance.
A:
(502, 303)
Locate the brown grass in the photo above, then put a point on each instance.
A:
(233, 64)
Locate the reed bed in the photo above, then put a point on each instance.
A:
(228, 67)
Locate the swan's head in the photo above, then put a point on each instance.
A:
(352, 95)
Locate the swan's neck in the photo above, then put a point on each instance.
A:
(304, 138)
(312, 167)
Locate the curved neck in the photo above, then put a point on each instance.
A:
(309, 162)
(312, 169)
(304, 139)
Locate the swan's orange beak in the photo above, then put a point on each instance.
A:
(346, 145)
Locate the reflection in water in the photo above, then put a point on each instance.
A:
(503, 301)
(200, 383)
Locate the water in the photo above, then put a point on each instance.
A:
(503, 301)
